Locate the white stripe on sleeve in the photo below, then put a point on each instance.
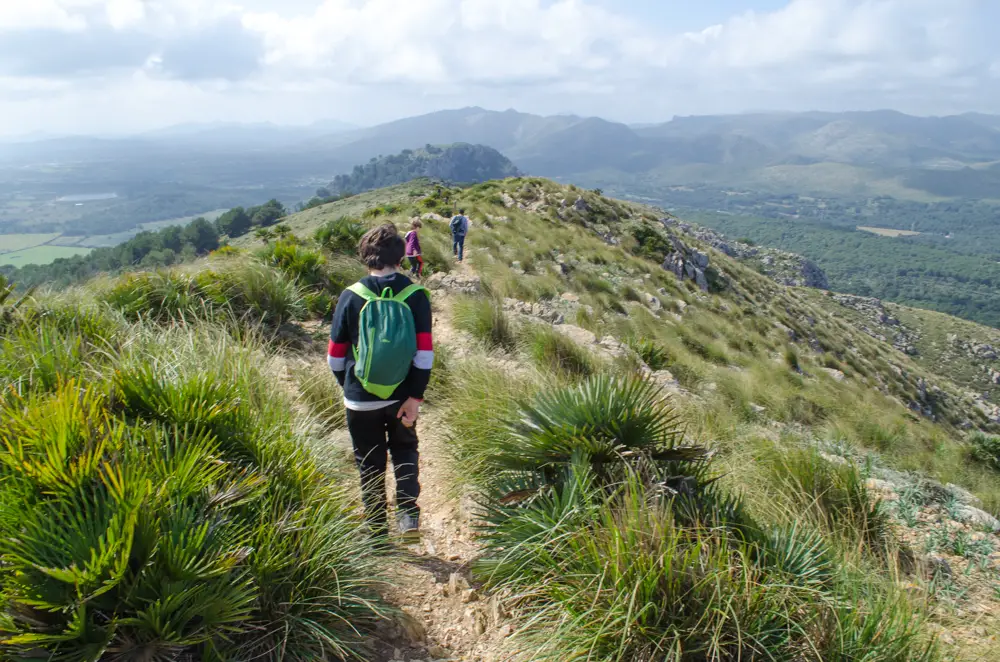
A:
(423, 360)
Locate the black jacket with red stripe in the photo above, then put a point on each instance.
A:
(344, 338)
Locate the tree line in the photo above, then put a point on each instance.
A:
(153, 249)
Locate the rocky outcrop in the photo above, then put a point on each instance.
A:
(687, 263)
(880, 324)
(785, 268)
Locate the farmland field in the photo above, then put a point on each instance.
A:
(17, 242)
(40, 255)
(888, 232)
(43, 248)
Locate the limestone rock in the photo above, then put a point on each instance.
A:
(462, 283)
(978, 518)
(836, 374)
(651, 301)
(578, 335)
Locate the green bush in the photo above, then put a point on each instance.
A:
(173, 511)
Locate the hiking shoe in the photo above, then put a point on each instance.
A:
(409, 526)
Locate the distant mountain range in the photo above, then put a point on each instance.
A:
(832, 153)
(854, 154)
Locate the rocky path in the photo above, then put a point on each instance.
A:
(443, 614)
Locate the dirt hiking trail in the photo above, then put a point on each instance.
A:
(443, 614)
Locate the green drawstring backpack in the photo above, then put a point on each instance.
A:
(387, 339)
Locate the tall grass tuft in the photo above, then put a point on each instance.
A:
(486, 320)
(554, 351)
(835, 497)
(321, 395)
(652, 353)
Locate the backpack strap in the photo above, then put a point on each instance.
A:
(409, 291)
(362, 291)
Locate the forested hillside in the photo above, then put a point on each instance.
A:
(460, 163)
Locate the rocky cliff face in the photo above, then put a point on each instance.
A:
(687, 263)
(785, 268)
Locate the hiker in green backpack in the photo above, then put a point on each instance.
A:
(381, 351)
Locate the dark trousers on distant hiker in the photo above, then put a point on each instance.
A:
(416, 265)
(377, 434)
(458, 245)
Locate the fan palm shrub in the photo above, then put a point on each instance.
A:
(244, 293)
(618, 544)
(304, 265)
(340, 235)
(174, 511)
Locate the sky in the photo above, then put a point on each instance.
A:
(119, 66)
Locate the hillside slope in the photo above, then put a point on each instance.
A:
(663, 452)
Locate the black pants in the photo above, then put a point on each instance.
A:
(458, 246)
(376, 433)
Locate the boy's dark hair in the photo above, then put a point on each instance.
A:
(461, 211)
(382, 247)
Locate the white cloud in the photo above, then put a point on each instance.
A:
(370, 60)
(38, 14)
